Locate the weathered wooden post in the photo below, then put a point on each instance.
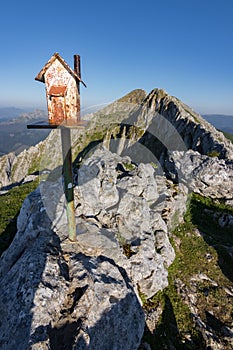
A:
(63, 101)
(68, 181)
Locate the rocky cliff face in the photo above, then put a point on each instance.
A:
(194, 130)
(157, 122)
(138, 164)
(116, 250)
(163, 124)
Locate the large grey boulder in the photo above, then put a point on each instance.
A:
(208, 176)
(117, 195)
(53, 296)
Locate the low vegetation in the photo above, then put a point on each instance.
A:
(200, 276)
(10, 204)
(228, 136)
(213, 154)
(199, 279)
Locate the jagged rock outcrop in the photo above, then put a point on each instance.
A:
(117, 195)
(87, 294)
(53, 296)
(5, 169)
(208, 176)
(122, 241)
(142, 126)
(54, 291)
(163, 123)
(113, 203)
(196, 133)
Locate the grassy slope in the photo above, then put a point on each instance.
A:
(228, 136)
(200, 251)
(201, 247)
(195, 254)
(10, 204)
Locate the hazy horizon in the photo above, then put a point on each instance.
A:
(99, 106)
(184, 47)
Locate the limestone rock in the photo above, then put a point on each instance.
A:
(85, 294)
(205, 175)
(163, 246)
(97, 184)
(6, 162)
(127, 216)
(196, 133)
(54, 296)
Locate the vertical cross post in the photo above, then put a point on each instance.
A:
(68, 181)
(63, 99)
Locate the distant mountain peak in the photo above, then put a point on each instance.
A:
(135, 96)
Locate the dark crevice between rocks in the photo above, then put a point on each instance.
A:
(64, 270)
(74, 297)
(127, 250)
(123, 172)
(91, 219)
(218, 326)
(63, 337)
(167, 335)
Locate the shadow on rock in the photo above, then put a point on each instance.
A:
(167, 335)
(21, 271)
(206, 216)
(54, 297)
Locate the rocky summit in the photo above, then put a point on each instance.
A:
(150, 268)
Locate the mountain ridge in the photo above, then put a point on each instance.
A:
(150, 178)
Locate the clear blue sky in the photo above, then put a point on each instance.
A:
(183, 46)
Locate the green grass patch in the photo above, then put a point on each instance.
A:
(204, 213)
(34, 164)
(201, 250)
(154, 165)
(175, 326)
(10, 204)
(129, 166)
(228, 136)
(213, 154)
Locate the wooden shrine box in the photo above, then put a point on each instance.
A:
(62, 90)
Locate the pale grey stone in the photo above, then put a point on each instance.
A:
(97, 183)
(52, 294)
(205, 175)
(130, 220)
(163, 247)
(86, 294)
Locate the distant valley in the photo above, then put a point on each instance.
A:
(10, 112)
(14, 135)
(220, 121)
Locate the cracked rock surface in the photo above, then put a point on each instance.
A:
(54, 291)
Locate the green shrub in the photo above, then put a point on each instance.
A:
(10, 204)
